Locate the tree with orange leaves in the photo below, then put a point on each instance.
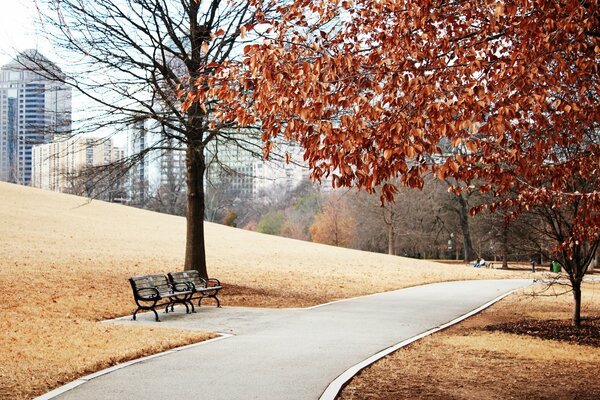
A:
(334, 225)
(372, 88)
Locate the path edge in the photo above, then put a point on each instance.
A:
(338, 383)
(84, 379)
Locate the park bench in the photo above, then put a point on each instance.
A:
(201, 288)
(485, 264)
(151, 291)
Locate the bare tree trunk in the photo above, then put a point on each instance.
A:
(577, 308)
(596, 261)
(504, 260)
(391, 240)
(195, 254)
(464, 225)
(504, 246)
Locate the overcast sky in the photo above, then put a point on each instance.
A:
(17, 29)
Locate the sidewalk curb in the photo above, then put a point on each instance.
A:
(84, 379)
(338, 383)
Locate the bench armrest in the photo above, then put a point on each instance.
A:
(182, 287)
(154, 295)
(212, 282)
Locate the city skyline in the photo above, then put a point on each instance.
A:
(18, 27)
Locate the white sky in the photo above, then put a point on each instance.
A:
(18, 30)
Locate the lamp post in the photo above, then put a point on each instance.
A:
(451, 243)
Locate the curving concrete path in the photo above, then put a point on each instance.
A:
(284, 353)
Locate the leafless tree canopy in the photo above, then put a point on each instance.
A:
(133, 59)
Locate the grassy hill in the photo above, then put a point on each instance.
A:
(44, 230)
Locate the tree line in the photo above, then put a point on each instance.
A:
(430, 223)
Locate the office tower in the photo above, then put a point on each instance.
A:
(235, 166)
(140, 140)
(158, 162)
(80, 165)
(34, 109)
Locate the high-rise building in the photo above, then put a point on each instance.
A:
(158, 162)
(172, 165)
(230, 163)
(139, 140)
(34, 109)
(235, 165)
(82, 165)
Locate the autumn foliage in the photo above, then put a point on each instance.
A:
(502, 95)
(334, 225)
(373, 89)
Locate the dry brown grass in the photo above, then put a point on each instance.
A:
(64, 266)
(50, 333)
(466, 362)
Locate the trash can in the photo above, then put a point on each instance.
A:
(556, 266)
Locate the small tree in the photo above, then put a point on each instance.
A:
(271, 223)
(230, 218)
(105, 182)
(334, 225)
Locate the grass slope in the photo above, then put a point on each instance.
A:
(64, 264)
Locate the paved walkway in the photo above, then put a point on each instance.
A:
(287, 354)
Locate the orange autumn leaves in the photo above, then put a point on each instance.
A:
(504, 93)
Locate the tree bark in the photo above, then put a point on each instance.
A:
(595, 262)
(463, 211)
(195, 254)
(577, 308)
(391, 250)
(504, 246)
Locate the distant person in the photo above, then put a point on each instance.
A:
(480, 262)
(532, 261)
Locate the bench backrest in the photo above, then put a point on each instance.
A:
(143, 286)
(187, 276)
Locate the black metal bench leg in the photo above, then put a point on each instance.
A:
(155, 315)
(213, 296)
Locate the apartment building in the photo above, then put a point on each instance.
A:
(33, 110)
(80, 165)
